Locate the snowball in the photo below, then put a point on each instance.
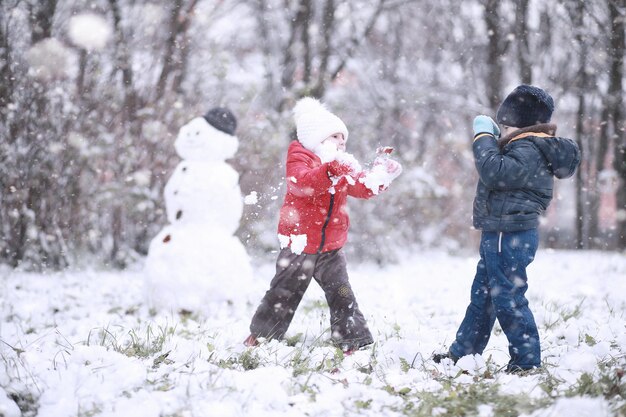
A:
(377, 177)
(348, 159)
(142, 177)
(49, 60)
(56, 148)
(89, 31)
(251, 198)
(581, 361)
(473, 364)
(76, 140)
(284, 241)
(298, 243)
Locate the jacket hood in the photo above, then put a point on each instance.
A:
(562, 154)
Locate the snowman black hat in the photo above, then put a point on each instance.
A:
(222, 119)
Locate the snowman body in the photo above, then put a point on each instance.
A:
(204, 193)
(195, 261)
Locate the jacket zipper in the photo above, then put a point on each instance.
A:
(500, 242)
(330, 212)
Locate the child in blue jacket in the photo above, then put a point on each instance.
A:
(516, 179)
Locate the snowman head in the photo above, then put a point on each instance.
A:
(208, 138)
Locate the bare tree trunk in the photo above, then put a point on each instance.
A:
(289, 62)
(306, 8)
(9, 193)
(170, 47)
(6, 76)
(130, 125)
(597, 166)
(617, 10)
(177, 42)
(40, 15)
(123, 63)
(521, 37)
(266, 46)
(357, 39)
(303, 55)
(117, 234)
(495, 50)
(29, 207)
(328, 21)
(179, 77)
(397, 135)
(580, 132)
(581, 194)
(82, 69)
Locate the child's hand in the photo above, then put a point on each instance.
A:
(384, 171)
(393, 167)
(485, 124)
(390, 166)
(338, 169)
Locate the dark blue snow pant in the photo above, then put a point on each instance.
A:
(498, 292)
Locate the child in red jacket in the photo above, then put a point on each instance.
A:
(313, 227)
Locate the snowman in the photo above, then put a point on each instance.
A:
(196, 261)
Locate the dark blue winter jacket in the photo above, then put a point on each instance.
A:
(516, 176)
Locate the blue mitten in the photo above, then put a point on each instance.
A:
(485, 124)
(496, 128)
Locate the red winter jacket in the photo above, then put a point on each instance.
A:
(310, 208)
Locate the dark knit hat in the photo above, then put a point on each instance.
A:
(525, 106)
(222, 119)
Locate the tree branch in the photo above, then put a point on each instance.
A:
(328, 21)
(356, 40)
(123, 64)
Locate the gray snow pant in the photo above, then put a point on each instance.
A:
(293, 276)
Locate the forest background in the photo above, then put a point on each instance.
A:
(87, 127)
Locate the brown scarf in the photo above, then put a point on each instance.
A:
(544, 129)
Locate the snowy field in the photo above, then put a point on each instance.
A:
(84, 344)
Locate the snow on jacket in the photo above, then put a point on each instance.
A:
(313, 206)
(517, 176)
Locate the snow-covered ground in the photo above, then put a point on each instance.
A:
(84, 344)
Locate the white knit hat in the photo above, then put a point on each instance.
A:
(314, 123)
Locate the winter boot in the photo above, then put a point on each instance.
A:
(349, 347)
(519, 371)
(438, 357)
(251, 341)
